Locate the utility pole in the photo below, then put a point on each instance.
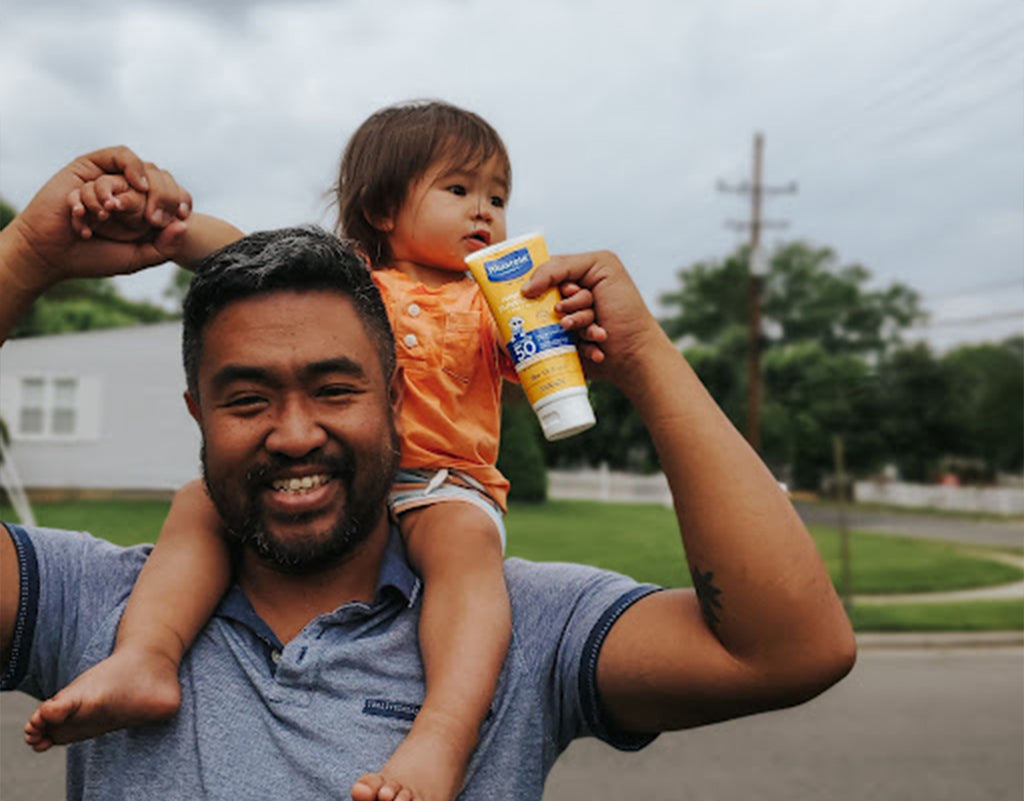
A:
(757, 190)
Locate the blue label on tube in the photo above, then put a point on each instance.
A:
(511, 265)
(527, 344)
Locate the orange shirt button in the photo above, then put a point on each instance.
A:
(411, 341)
(414, 310)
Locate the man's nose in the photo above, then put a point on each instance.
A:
(296, 431)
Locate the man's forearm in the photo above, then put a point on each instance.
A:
(762, 585)
(17, 293)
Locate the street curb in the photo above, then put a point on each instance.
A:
(877, 640)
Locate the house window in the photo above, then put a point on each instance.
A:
(32, 415)
(62, 415)
(49, 407)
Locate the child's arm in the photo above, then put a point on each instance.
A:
(109, 208)
(182, 581)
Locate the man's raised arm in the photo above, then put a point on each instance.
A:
(764, 627)
(39, 248)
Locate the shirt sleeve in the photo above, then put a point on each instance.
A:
(72, 590)
(563, 614)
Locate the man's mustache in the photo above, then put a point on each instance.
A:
(279, 466)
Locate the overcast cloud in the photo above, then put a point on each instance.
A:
(901, 122)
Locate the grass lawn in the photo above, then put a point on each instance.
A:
(641, 541)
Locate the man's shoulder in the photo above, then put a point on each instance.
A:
(546, 594)
(79, 552)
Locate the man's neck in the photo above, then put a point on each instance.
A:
(288, 601)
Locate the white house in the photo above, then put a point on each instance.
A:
(99, 410)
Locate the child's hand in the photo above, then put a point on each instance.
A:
(109, 208)
(578, 315)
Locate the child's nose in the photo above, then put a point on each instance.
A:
(483, 209)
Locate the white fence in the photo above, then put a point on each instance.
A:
(991, 500)
(603, 484)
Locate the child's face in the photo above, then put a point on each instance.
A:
(450, 212)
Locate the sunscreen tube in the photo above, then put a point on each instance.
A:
(544, 356)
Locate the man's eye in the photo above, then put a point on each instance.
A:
(336, 391)
(457, 189)
(245, 402)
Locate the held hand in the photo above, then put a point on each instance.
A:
(602, 304)
(109, 208)
(40, 247)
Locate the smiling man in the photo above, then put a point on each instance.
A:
(310, 668)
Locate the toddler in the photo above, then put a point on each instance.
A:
(420, 187)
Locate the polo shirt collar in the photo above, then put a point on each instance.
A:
(395, 574)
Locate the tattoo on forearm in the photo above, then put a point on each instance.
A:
(707, 595)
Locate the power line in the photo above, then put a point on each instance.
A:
(1017, 314)
(976, 289)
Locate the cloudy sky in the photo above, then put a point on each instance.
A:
(902, 122)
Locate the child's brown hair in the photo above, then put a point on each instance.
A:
(393, 148)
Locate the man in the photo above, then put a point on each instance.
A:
(309, 671)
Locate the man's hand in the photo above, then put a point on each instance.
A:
(40, 248)
(602, 305)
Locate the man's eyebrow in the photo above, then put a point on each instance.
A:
(230, 373)
(341, 364)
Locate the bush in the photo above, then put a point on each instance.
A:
(521, 457)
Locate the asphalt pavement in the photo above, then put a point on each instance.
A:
(952, 528)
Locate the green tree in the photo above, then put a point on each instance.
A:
(918, 424)
(178, 286)
(806, 295)
(821, 328)
(7, 213)
(987, 401)
(521, 457)
(619, 438)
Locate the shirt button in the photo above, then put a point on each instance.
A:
(275, 657)
(411, 341)
(414, 310)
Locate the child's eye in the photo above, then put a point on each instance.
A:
(457, 189)
(498, 202)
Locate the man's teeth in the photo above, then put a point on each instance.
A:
(303, 484)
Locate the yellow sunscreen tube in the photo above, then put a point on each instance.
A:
(544, 355)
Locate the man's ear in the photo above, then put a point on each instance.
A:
(193, 408)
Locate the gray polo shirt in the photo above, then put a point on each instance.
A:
(259, 719)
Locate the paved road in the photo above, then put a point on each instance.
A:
(926, 724)
(1009, 534)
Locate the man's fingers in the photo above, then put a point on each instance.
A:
(574, 299)
(114, 161)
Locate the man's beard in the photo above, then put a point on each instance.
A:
(366, 488)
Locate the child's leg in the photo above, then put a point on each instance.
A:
(465, 629)
(175, 594)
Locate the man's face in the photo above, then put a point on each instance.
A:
(299, 440)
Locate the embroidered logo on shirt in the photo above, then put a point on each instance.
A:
(381, 707)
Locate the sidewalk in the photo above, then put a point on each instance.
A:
(874, 640)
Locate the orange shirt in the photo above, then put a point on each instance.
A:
(448, 345)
